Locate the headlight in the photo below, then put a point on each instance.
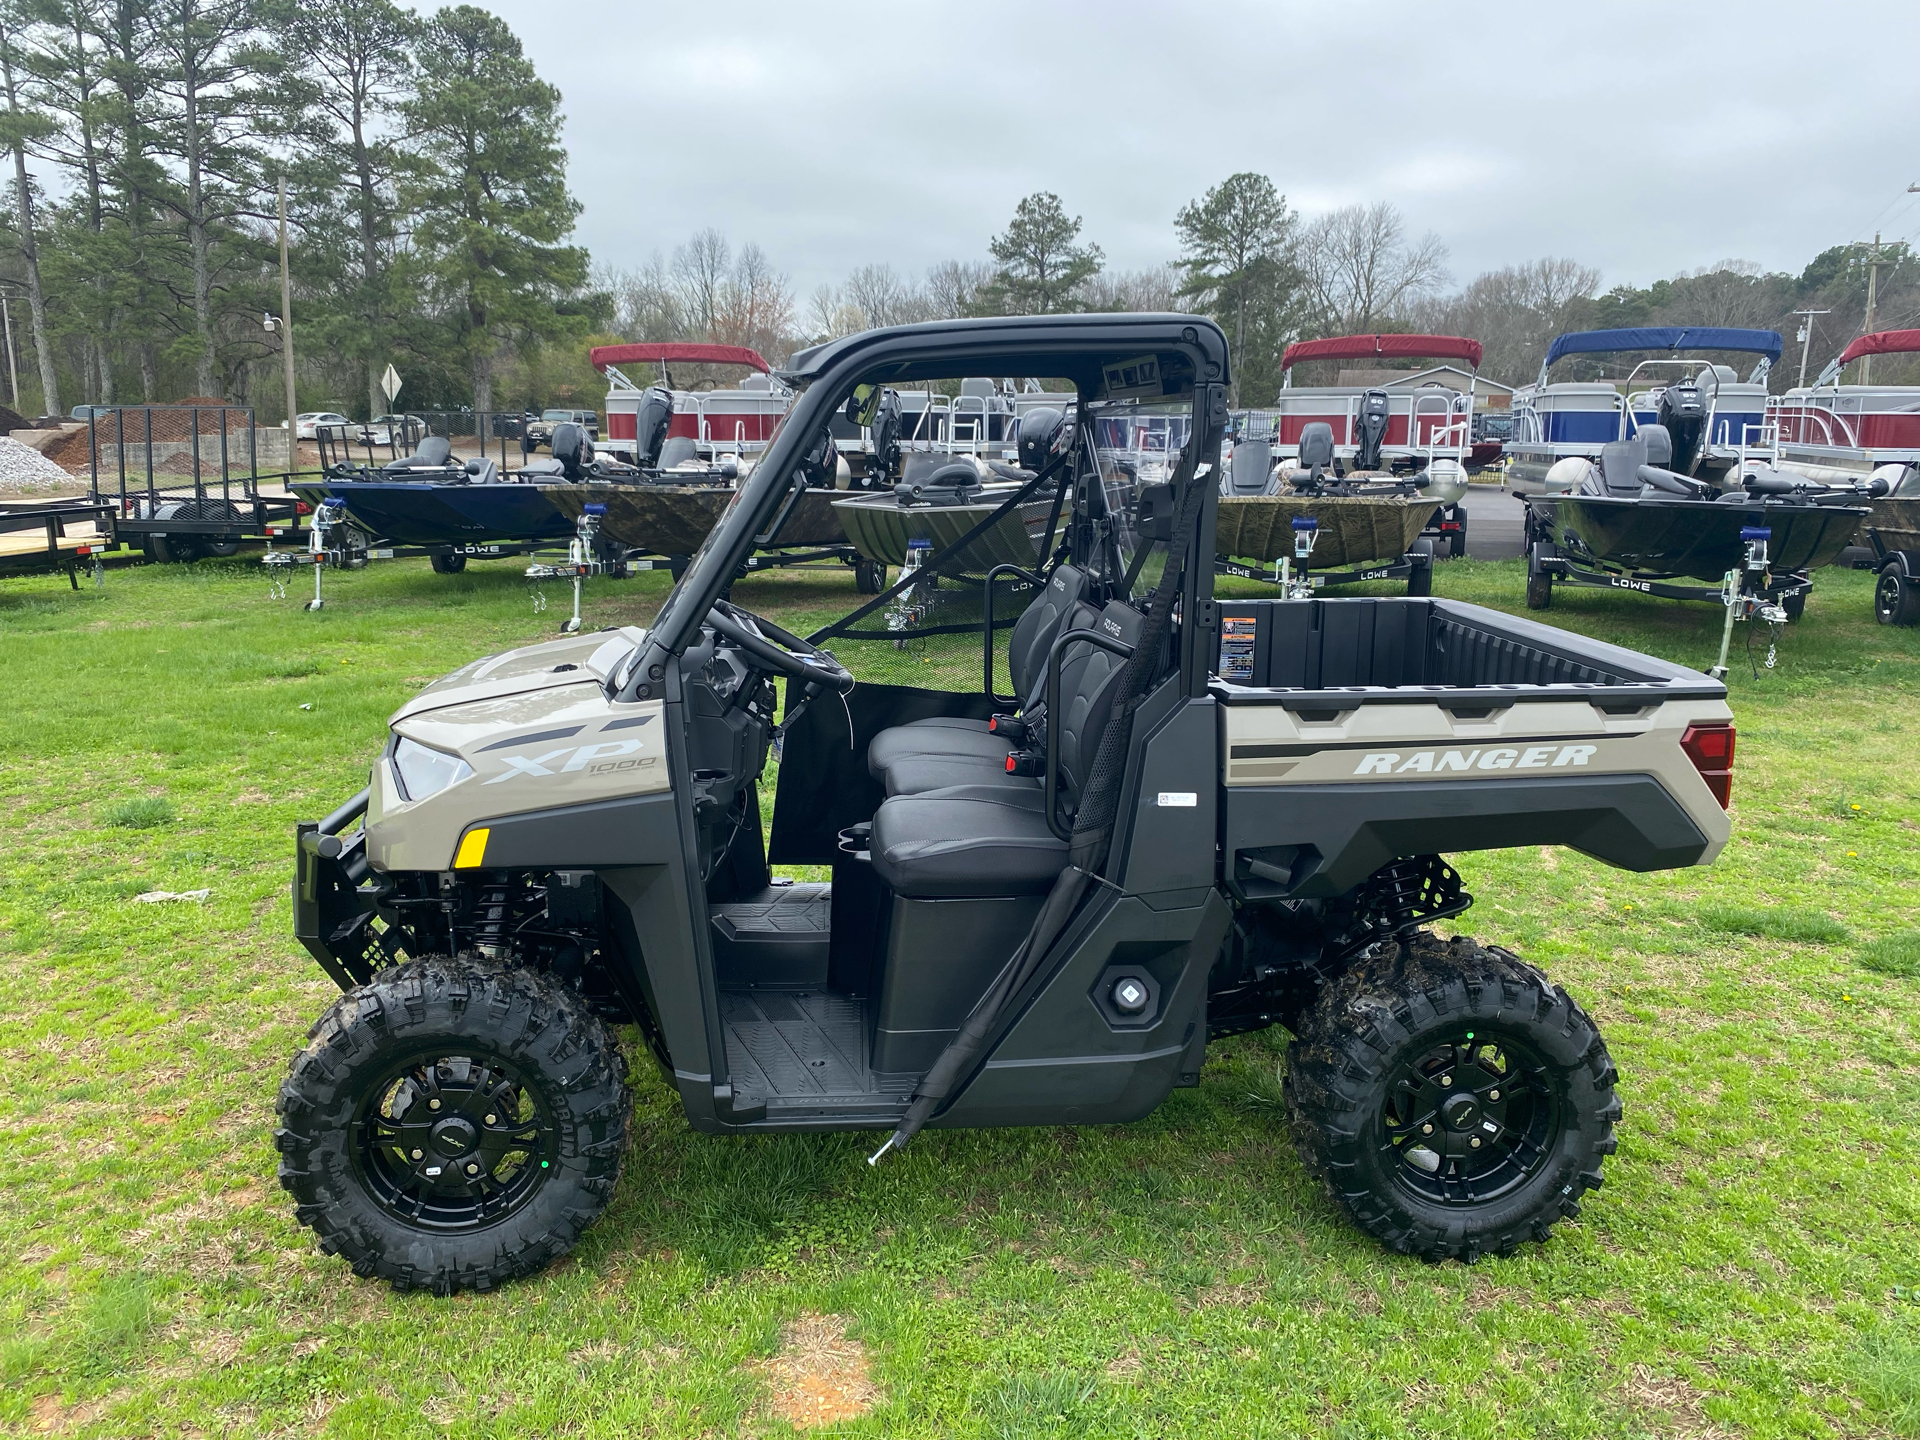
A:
(423, 772)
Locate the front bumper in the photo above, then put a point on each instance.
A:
(333, 907)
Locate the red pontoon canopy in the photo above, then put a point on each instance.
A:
(1882, 342)
(1400, 347)
(605, 355)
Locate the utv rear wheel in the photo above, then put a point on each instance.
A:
(453, 1124)
(1453, 1100)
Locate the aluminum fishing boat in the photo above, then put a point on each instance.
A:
(1716, 422)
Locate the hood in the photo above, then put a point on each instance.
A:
(575, 660)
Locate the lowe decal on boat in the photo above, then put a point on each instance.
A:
(1438, 762)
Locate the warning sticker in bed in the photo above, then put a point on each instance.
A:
(1237, 634)
(1180, 799)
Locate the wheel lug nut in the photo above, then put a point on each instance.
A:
(475, 1169)
(417, 1154)
(495, 1119)
(1475, 1142)
(435, 1104)
(1444, 1080)
(1493, 1094)
(1424, 1130)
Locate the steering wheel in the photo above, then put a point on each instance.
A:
(779, 650)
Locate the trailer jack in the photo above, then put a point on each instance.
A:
(1744, 593)
(584, 558)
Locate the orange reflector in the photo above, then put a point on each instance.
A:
(473, 849)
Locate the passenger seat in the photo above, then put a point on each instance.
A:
(954, 736)
(988, 839)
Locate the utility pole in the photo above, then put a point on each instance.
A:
(1806, 339)
(1873, 278)
(286, 329)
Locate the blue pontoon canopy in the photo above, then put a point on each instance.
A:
(1664, 337)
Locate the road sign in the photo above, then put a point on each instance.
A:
(390, 384)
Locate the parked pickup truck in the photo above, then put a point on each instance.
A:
(1190, 817)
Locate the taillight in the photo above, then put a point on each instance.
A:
(1709, 745)
(301, 507)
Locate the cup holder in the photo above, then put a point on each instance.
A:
(855, 839)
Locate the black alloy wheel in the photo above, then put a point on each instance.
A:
(1896, 600)
(1453, 1101)
(1471, 1118)
(449, 1141)
(453, 1124)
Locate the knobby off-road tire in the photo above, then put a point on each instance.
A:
(453, 1124)
(1413, 1055)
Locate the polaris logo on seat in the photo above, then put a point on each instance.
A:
(1440, 762)
(1112, 627)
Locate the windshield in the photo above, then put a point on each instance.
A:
(556, 414)
(740, 490)
(1137, 444)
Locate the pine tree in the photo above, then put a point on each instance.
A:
(1237, 243)
(1040, 268)
(493, 210)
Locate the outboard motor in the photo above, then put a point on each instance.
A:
(885, 432)
(650, 426)
(1371, 428)
(572, 449)
(1682, 411)
(1039, 432)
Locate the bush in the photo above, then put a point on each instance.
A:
(1893, 954)
(1775, 923)
(143, 812)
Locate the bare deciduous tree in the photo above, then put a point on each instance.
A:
(755, 306)
(954, 288)
(1361, 270)
(1149, 291)
(700, 270)
(884, 297)
(1514, 312)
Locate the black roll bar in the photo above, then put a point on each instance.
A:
(1037, 581)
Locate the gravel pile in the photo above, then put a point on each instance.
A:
(25, 471)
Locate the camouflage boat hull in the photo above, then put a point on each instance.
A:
(1353, 529)
(881, 528)
(1897, 523)
(675, 519)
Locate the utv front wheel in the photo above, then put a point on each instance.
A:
(453, 1124)
(1453, 1101)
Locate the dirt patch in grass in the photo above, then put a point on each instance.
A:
(820, 1376)
(1673, 1408)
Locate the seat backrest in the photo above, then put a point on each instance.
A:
(1620, 462)
(482, 471)
(1316, 445)
(1034, 633)
(678, 450)
(1252, 467)
(1089, 677)
(1659, 444)
(434, 453)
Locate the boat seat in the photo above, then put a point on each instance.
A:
(1620, 462)
(1033, 635)
(1252, 469)
(989, 839)
(1659, 441)
(482, 471)
(435, 453)
(543, 467)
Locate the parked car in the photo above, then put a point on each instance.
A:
(540, 432)
(305, 425)
(402, 432)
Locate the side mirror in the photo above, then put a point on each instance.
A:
(863, 404)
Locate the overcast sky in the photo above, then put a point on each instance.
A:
(1643, 139)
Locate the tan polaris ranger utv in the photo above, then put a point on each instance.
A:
(1191, 818)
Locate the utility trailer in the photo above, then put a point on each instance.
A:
(1203, 817)
(54, 549)
(185, 480)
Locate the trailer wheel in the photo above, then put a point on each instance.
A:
(453, 1124)
(1420, 580)
(447, 564)
(869, 577)
(1539, 589)
(1452, 1099)
(1896, 601)
(172, 549)
(1459, 547)
(1794, 603)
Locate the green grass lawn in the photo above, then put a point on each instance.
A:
(1751, 1268)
